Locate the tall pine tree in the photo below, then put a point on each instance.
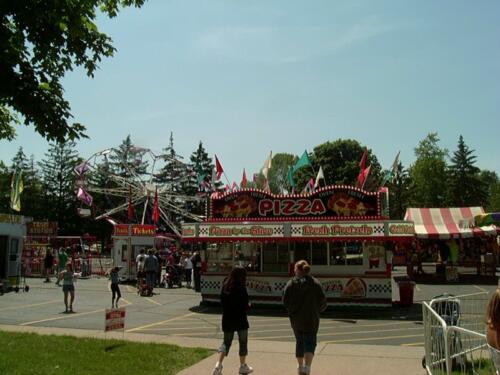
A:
(465, 186)
(399, 191)
(59, 184)
(127, 161)
(200, 167)
(173, 175)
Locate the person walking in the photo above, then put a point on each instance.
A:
(150, 267)
(235, 303)
(68, 278)
(139, 266)
(115, 289)
(196, 260)
(304, 300)
(48, 263)
(188, 270)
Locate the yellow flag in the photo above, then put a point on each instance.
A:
(16, 188)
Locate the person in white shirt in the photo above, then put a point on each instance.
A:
(188, 269)
(139, 264)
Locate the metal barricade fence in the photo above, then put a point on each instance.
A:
(455, 342)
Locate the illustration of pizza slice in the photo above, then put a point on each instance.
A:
(355, 288)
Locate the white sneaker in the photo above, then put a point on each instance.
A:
(217, 370)
(245, 369)
(305, 370)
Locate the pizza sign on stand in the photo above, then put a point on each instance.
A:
(114, 319)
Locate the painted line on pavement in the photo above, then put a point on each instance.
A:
(481, 289)
(69, 316)
(160, 323)
(414, 344)
(152, 301)
(32, 305)
(372, 339)
(417, 288)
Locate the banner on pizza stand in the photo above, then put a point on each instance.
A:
(241, 231)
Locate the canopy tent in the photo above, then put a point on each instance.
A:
(447, 222)
(492, 218)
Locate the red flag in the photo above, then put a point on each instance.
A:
(131, 213)
(362, 162)
(244, 180)
(156, 209)
(363, 175)
(219, 168)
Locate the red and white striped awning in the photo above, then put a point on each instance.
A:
(450, 222)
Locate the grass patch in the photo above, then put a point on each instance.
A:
(28, 353)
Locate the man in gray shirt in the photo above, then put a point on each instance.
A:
(150, 267)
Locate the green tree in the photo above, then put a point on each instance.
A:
(278, 174)
(494, 202)
(59, 184)
(466, 188)
(399, 192)
(5, 177)
(429, 174)
(200, 166)
(41, 41)
(174, 174)
(340, 161)
(127, 161)
(32, 196)
(490, 180)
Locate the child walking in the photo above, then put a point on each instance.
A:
(235, 303)
(115, 289)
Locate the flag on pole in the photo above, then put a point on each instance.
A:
(84, 196)
(156, 209)
(267, 165)
(309, 188)
(302, 162)
(320, 176)
(244, 180)
(16, 188)
(363, 176)
(131, 213)
(391, 173)
(80, 169)
(362, 162)
(219, 168)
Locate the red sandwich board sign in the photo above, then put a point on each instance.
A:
(114, 319)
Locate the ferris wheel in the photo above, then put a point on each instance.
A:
(131, 189)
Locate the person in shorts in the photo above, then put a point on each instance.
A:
(115, 289)
(68, 286)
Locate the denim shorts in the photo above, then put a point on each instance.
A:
(68, 288)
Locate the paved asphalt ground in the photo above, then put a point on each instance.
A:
(177, 312)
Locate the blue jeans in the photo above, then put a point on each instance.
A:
(228, 340)
(305, 342)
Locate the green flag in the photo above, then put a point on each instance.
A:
(290, 178)
(391, 173)
(16, 188)
(302, 162)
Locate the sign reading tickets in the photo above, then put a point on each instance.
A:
(337, 201)
(237, 231)
(339, 230)
(11, 219)
(114, 319)
(135, 230)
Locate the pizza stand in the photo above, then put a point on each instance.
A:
(129, 240)
(341, 230)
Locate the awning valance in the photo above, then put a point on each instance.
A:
(448, 222)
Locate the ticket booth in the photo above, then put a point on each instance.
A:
(12, 232)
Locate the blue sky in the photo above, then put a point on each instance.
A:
(247, 77)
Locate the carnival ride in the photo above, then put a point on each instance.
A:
(130, 183)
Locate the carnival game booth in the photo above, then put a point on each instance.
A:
(449, 239)
(340, 230)
(12, 232)
(129, 240)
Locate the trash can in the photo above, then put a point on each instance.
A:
(406, 286)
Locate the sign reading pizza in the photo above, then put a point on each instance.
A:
(114, 319)
(335, 201)
(339, 230)
(241, 231)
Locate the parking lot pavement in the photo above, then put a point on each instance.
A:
(176, 312)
